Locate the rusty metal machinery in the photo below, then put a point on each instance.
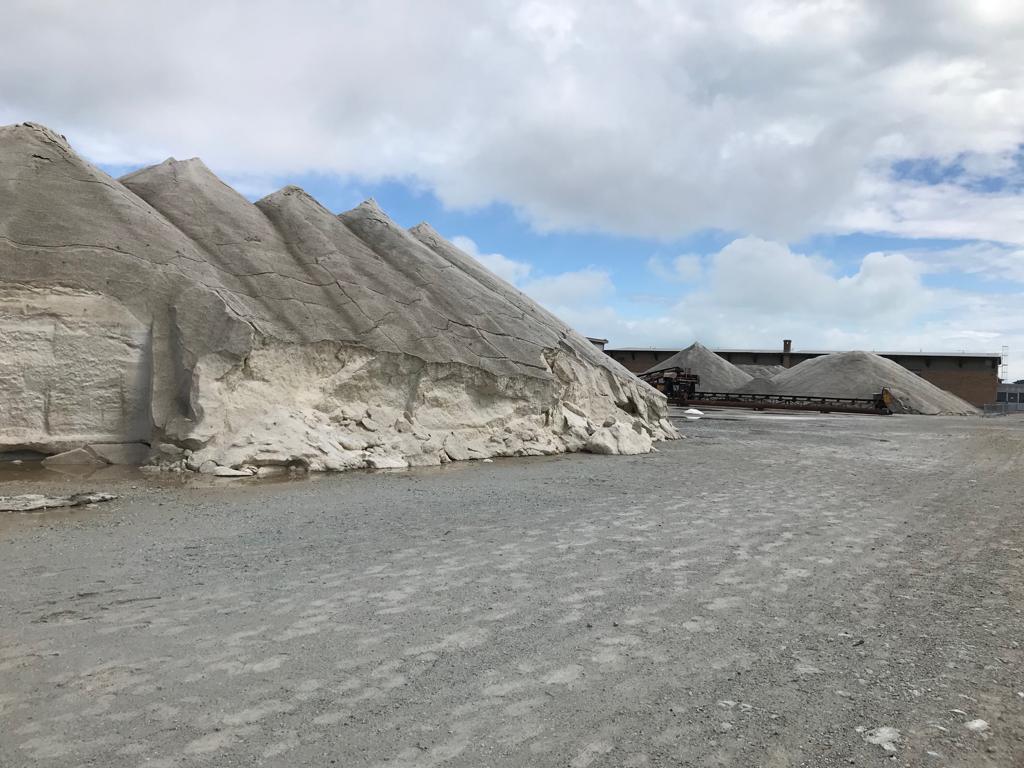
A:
(675, 383)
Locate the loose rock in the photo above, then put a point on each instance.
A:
(885, 737)
(229, 472)
(31, 502)
(77, 457)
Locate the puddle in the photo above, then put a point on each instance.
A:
(31, 472)
(133, 486)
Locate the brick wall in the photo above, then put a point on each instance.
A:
(976, 387)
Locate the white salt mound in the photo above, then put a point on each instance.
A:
(863, 375)
(716, 373)
(166, 310)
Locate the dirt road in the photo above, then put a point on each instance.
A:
(771, 591)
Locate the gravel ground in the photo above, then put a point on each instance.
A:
(775, 590)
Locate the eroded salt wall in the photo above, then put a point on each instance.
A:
(75, 369)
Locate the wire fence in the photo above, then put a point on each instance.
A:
(1002, 409)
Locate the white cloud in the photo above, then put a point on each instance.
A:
(507, 269)
(685, 268)
(581, 288)
(757, 292)
(770, 282)
(763, 116)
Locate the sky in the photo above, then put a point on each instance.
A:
(845, 173)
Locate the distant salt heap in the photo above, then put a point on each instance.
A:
(716, 373)
(863, 375)
(167, 310)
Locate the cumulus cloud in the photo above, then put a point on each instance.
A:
(767, 280)
(584, 287)
(760, 291)
(762, 116)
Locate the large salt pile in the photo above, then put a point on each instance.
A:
(863, 375)
(167, 310)
(716, 373)
(760, 371)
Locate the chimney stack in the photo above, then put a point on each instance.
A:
(787, 347)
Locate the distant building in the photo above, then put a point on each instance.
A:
(974, 376)
(599, 343)
(1012, 395)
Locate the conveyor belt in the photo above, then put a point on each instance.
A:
(760, 402)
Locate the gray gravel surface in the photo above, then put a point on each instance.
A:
(771, 591)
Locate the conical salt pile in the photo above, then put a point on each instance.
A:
(863, 375)
(716, 373)
(167, 309)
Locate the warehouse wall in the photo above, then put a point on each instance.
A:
(974, 379)
(639, 360)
